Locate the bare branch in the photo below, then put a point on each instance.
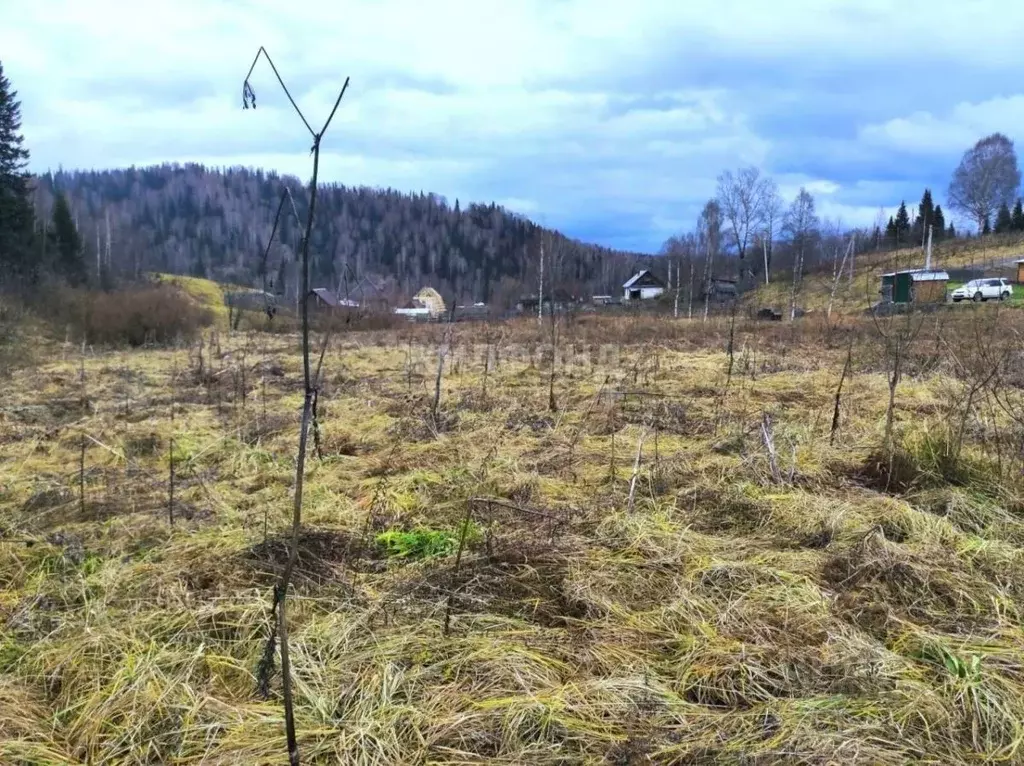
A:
(249, 95)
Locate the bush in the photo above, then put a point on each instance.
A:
(153, 314)
(15, 350)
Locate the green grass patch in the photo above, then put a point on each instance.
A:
(422, 542)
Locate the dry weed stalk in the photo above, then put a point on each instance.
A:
(636, 469)
(768, 439)
(839, 393)
(281, 590)
(443, 349)
(170, 446)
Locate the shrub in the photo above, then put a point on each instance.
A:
(153, 314)
(15, 350)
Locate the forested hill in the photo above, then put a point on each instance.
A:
(195, 220)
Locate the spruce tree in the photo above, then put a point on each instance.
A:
(890, 231)
(938, 223)
(1004, 221)
(17, 221)
(925, 216)
(70, 261)
(1018, 217)
(951, 231)
(986, 227)
(903, 223)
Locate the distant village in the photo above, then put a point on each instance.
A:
(644, 288)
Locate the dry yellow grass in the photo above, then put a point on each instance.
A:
(728, 618)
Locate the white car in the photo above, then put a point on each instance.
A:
(978, 290)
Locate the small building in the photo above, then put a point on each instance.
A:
(721, 289)
(601, 300)
(914, 286)
(430, 299)
(475, 311)
(642, 286)
(420, 313)
(563, 299)
(325, 299)
(1020, 272)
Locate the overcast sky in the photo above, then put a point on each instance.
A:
(608, 120)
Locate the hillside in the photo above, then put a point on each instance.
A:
(203, 222)
(990, 255)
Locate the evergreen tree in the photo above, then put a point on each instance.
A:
(903, 224)
(925, 217)
(70, 261)
(1004, 221)
(1018, 216)
(17, 221)
(986, 227)
(938, 224)
(890, 231)
(951, 231)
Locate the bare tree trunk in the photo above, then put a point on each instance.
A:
(839, 394)
(707, 283)
(689, 297)
(837, 273)
(108, 238)
(540, 286)
(764, 244)
(281, 591)
(797, 269)
(675, 305)
(890, 411)
(853, 255)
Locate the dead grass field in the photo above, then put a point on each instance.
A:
(827, 609)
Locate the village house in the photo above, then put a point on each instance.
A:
(642, 286)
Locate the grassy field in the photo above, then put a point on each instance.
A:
(809, 603)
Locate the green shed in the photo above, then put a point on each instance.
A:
(914, 286)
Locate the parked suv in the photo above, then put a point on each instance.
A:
(978, 290)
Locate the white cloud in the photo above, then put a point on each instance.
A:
(517, 101)
(924, 133)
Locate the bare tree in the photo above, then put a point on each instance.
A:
(802, 227)
(897, 333)
(771, 211)
(742, 198)
(986, 178)
(709, 233)
(281, 590)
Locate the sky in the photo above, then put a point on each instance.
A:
(609, 121)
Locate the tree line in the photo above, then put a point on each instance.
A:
(99, 227)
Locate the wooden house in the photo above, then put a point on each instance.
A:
(642, 286)
(721, 289)
(1020, 272)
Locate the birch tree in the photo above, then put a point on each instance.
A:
(741, 197)
(801, 225)
(987, 177)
